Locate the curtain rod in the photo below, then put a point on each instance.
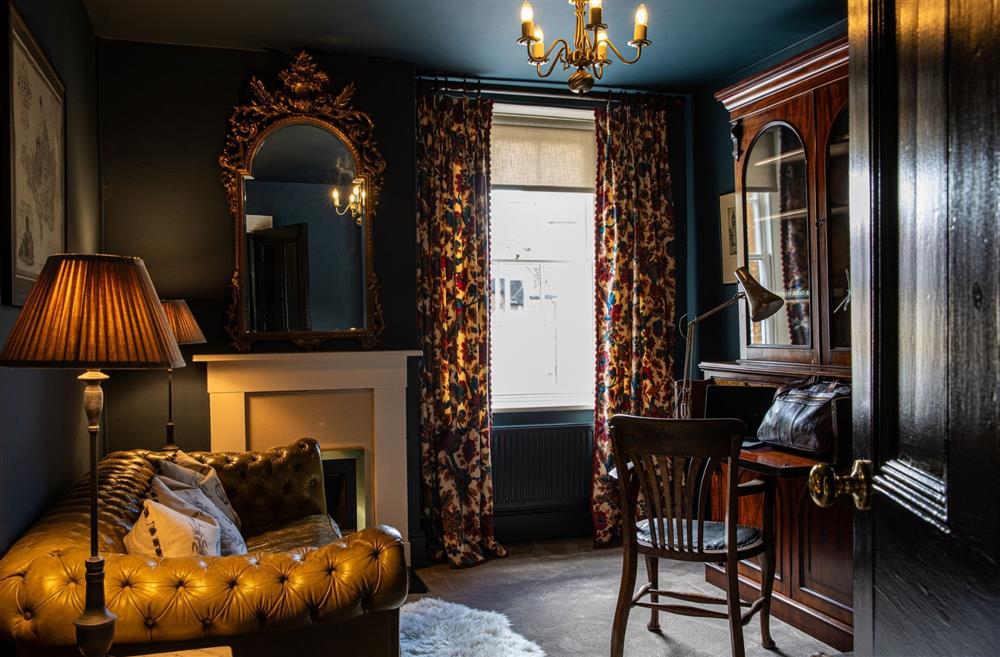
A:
(465, 85)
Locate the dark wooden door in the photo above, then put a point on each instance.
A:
(925, 163)
(280, 278)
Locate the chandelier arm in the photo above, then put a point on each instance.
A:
(622, 57)
(552, 67)
(598, 71)
(559, 56)
(563, 50)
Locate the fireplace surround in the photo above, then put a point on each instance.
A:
(351, 402)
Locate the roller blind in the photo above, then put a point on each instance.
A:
(543, 151)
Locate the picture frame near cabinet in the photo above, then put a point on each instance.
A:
(730, 237)
(34, 172)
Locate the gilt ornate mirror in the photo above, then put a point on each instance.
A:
(302, 174)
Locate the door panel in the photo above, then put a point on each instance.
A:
(925, 171)
(922, 236)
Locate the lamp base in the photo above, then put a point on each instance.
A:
(170, 445)
(95, 628)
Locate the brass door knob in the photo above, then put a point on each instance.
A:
(825, 485)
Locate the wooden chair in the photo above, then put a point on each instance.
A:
(672, 462)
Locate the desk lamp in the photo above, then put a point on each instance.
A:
(761, 302)
(92, 312)
(187, 331)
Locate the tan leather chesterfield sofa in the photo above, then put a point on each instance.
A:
(302, 589)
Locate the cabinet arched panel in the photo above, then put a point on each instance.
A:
(777, 234)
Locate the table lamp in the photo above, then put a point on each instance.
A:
(186, 331)
(92, 312)
(761, 302)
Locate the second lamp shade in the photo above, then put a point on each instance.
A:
(182, 322)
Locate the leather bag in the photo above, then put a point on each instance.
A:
(802, 417)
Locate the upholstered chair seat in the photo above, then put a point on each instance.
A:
(300, 570)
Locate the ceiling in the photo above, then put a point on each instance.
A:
(694, 41)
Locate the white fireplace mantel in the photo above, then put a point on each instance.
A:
(234, 378)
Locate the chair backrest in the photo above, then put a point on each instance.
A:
(671, 463)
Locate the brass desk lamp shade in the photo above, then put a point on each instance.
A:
(92, 312)
(761, 304)
(185, 328)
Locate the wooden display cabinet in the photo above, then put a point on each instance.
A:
(789, 130)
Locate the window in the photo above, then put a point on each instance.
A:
(542, 259)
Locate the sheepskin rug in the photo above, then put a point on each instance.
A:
(435, 628)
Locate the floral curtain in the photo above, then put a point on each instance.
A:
(635, 276)
(453, 173)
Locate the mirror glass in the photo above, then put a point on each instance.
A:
(305, 234)
(777, 233)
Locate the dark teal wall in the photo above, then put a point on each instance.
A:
(164, 118)
(718, 338)
(43, 442)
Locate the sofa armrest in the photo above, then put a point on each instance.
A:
(160, 600)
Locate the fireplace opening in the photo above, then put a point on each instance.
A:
(343, 481)
(340, 481)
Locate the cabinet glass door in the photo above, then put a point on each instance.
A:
(838, 236)
(775, 187)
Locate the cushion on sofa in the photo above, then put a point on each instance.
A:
(174, 494)
(311, 530)
(163, 532)
(183, 469)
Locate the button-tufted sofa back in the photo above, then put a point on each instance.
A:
(268, 489)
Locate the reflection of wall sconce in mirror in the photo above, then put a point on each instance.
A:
(355, 202)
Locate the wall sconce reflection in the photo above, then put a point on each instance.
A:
(355, 202)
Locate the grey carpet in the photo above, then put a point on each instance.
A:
(561, 595)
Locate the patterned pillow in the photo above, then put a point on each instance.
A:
(178, 496)
(186, 470)
(163, 533)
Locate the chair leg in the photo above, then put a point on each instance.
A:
(766, 589)
(735, 612)
(629, 568)
(653, 571)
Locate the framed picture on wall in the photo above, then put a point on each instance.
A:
(731, 236)
(36, 137)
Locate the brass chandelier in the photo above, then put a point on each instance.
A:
(589, 53)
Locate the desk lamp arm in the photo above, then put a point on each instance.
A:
(683, 401)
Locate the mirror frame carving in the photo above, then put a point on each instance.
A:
(304, 98)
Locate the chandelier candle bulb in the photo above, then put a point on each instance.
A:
(641, 22)
(602, 45)
(596, 13)
(336, 197)
(538, 47)
(527, 23)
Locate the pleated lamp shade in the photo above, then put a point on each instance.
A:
(92, 312)
(182, 322)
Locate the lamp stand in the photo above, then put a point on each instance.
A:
(171, 446)
(95, 628)
(682, 391)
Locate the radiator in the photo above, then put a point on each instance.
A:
(541, 467)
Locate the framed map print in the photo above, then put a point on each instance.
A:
(37, 161)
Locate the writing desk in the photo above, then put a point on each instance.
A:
(776, 463)
(813, 545)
